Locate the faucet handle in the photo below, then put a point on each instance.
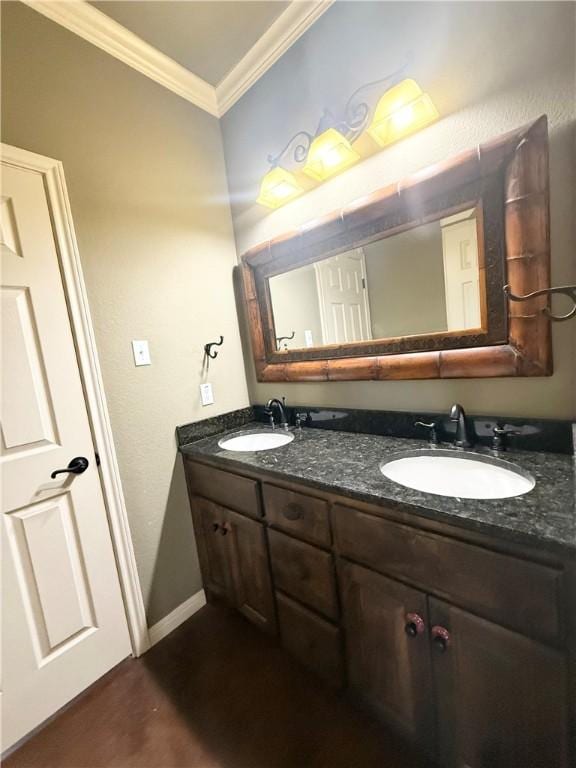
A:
(500, 434)
(432, 426)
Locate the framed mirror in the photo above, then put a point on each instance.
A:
(409, 282)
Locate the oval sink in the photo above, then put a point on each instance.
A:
(459, 474)
(255, 441)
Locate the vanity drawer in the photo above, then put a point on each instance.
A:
(515, 593)
(312, 640)
(302, 516)
(305, 572)
(232, 491)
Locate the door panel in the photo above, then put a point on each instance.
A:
(343, 298)
(249, 560)
(215, 529)
(387, 668)
(501, 698)
(66, 624)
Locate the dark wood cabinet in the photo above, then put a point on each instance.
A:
(387, 650)
(463, 642)
(315, 642)
(251, 571)
(213, 519)
(235, 565)
(501, 697)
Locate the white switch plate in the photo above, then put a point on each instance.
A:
(308, 338)
(206, 394)
(141, 353)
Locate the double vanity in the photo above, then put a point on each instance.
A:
(449, 616)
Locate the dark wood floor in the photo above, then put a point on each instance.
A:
(216, 693)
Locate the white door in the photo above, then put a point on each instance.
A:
(461, 274)
(343, 298)
(63, 624)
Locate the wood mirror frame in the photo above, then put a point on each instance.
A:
(508, 179)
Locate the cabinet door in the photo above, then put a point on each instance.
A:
(251, 571)
(501, 698)
(215, 529)
(388, 650)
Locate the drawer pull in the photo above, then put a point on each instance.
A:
(292, 511)
(440, 638)
(414, 625)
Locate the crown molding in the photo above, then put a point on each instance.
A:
(283, 33)
(99, 29)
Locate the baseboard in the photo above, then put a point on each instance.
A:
(176, 617)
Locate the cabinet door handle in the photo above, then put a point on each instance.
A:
(224, 529)
(215, 527)
(440, 638)
(292, 511)
(414, 625)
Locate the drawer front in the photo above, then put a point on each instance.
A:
(233, 491)
(302, 516)
(513, 592)
(305, 572)
(313, 641)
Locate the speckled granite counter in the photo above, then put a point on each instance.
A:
(348, 464)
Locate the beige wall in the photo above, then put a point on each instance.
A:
(148, 191)
(405, 278)
(490, 67)
(295, 306)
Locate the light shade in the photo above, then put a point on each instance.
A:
(278, 187)
(329, 153)
(402, 110)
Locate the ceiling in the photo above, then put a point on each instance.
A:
(208, 38)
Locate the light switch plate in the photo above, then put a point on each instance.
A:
(206, 394)
(308, 338)
(141, 353)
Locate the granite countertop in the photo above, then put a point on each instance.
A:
(349, 464)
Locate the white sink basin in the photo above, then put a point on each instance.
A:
(256, 441)
(459, 474)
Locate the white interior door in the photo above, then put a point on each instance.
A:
(63, 624)
(461, 274)
(343, 298)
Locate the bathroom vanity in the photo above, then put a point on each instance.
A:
(452, 620)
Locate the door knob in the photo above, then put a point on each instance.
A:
(76, 467)
(414, 625)
(440, 638)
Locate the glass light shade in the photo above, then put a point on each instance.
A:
(329, 153)
(401, 111)
(278, 187)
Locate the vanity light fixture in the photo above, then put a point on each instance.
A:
(278, 187)
(402, 109)
(329, 153)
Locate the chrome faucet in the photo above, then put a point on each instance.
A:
(280, 405)
(463, 437)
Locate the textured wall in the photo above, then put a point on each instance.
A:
(406, 283)
(490, 67)
(147, 184)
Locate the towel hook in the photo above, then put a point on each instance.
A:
(280, 339)
(208, 348)
(565, 290)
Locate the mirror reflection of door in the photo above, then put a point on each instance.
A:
(343, 298)
(461, 274)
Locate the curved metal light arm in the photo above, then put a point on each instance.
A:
(565, 290)
(356, 116)
(298, 153)
(352, 125)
